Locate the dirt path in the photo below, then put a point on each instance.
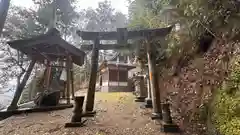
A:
(117, 114)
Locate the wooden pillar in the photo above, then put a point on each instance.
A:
(4, 6)
(93, 77)
(153, 77)
(72, 81)
(21, 86)
(64, 81)
(48, 76)
(68, 66)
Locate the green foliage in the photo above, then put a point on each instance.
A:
(196, 17)
(24, 23)
(103, 18)
(227, 106)
(220, 18)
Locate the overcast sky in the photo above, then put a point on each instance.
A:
(119, 5)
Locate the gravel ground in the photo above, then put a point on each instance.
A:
(117, 114)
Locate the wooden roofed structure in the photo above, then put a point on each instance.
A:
(46, 49)
(48, 46)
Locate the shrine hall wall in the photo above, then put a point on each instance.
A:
(117, 81)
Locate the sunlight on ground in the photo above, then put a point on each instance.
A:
(116, 96)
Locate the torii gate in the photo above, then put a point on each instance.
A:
(122, 35)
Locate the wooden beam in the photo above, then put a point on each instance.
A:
(54, 54)
(101, 35)
(9, 113)
(48, 76)
(72, 84)
(19, 90)
(105, 46)
(68, 79)
(122, 36)
(72, 80)
(55, 66)
(23, 44)
(44, 55)
(160, 32)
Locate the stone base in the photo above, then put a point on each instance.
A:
(145, 106)
(156, 116)
(75, 124)
(140, 99)
(115, 89)
(170, 128)
(148, 103)
(148, 106)
(89, 114)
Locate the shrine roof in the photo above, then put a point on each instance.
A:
(48, 46)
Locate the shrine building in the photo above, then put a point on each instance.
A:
(114, 75)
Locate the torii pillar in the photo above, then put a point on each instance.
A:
(153, 77)
(93, 77)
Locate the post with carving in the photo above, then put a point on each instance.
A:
(153, 77)
(93, 77)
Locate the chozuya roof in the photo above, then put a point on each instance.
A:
(49, 45)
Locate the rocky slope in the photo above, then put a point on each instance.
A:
(196, 83)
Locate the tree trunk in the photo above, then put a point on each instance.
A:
(4, 6)
(21, 86)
